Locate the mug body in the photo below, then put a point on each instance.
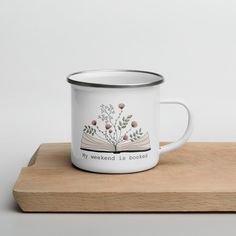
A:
(115, 129)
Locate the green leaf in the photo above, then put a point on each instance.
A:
(131, 135)
(120, 123)
(119, 128)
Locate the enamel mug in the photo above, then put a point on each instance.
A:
(115, 120)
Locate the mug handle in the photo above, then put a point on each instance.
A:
(186, 135)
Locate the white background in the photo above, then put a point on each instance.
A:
(191, 42)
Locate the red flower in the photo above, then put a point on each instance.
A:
(125, 137)
(94, 122)
(121, 106)
(134, 124)
(110, 131)
(107, 126)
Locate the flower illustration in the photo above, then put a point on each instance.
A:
(117, 127)
(93, 122)
(134, 124)
(108, 126)
(121, 106)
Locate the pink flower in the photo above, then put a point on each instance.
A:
(125, 137)
(110, 131)
(94, 122)
(107, 126)
(121, 106)
(134, 124)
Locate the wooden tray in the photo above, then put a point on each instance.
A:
(199, 177)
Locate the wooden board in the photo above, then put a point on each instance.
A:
(199, 177)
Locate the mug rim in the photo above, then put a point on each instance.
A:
(159, 79)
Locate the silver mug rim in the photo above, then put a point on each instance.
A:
(102, 85)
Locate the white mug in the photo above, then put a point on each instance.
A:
(115, 120)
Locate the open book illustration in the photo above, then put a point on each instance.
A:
(91, 143)
(114, 134)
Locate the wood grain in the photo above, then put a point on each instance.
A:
(199, 177)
